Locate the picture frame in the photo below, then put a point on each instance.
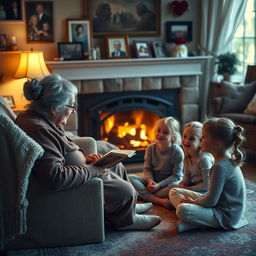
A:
(142, 49)
(117, 47)
(3, 42)
(71, 50)
(80, 30)
(11, 11)
(9, 100)
(133, 18)
(159, 49)
(39, 30)
(178, 29)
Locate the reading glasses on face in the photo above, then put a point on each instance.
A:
(74, 107)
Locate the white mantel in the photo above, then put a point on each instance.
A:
(127, 68)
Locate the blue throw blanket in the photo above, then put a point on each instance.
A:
(18, 154)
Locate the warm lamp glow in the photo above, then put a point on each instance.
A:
(32, 65)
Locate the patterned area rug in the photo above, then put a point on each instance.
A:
(164, 240)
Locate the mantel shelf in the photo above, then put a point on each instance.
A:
(127, 68)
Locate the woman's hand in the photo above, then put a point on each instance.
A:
(187, 201)
(92, 158)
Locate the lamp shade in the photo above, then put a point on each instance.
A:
(32, 65)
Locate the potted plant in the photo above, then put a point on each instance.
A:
(227, 64)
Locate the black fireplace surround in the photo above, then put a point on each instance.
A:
(91, 106)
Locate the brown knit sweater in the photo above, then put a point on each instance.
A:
(63, 164)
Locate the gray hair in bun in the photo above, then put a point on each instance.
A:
(51, 93)
(32, 89)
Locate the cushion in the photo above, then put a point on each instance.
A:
(229, 89)
(236, 97)
(251, 107)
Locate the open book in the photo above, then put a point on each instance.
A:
(114, 157)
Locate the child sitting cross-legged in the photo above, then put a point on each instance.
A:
(163, 164)
(197, 164)
(223, 206)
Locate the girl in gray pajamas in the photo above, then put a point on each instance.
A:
(163, 164)
(223, 206)
(197, 164)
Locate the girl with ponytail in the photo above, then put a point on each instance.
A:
(223, 206)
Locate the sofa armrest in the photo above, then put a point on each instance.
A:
(216, 105)
(69, 217)
(87, 144)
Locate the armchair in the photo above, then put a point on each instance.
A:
(231, 100)
(70, 217)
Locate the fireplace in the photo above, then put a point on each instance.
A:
(132, 129)
(125, 119)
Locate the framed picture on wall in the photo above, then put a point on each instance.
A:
(9, 100)
(71, 51)
(178, 29)
(3, 42)
(39, 21)
(112, 17)
(142, 49)
(80, 30)
(10, 10)
(117, 47)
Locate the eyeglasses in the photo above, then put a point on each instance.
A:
(74, 107)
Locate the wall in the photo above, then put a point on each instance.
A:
(64, 9)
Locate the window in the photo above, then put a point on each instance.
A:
(244, 43)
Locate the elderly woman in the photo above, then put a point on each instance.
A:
(63, 165)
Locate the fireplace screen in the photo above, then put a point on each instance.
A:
(133, 129)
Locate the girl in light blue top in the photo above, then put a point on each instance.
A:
(223, 206)
(163, 164)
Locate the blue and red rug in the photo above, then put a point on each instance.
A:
(164, 240)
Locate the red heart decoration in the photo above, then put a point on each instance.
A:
(179, 7)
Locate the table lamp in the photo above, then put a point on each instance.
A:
(32, 65)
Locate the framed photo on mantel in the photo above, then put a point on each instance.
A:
(70, 50)
(79, 30)
(117, 47)
(142, 49)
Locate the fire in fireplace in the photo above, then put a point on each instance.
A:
(133, 129)
(125, 119)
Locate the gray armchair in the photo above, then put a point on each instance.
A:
(230, 100)
(71, 217)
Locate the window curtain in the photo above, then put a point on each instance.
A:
(220, 20)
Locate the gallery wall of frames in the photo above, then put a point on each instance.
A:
(95, 29)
